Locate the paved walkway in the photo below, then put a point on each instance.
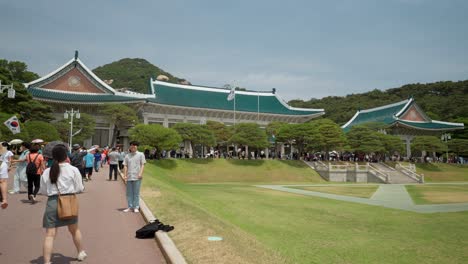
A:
(392, 196)
(108, 233)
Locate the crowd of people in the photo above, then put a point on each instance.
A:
(64, 171)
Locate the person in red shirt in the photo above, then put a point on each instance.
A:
(34, 179)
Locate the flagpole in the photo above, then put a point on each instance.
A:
(258, 106)
(235, 107)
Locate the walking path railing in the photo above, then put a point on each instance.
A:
(379, 174)
(410, 171)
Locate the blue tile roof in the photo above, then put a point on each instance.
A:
(89, 98)
(216, 98)
(389, 115)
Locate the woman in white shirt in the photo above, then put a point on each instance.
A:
(66, 178)
(5, 160)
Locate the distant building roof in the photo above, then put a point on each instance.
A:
(216, 98)
(73, 82)
(404, 114)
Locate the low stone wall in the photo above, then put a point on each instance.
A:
(338, 176)
(346, 173)
(374, 179)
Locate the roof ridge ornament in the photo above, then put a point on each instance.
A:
(76, 55)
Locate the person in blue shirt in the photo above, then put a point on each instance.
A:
(97, 160)
(89, 162)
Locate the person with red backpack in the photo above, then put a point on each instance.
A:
(36, 165)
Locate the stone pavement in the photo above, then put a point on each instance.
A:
(392, 196)
(108, 233)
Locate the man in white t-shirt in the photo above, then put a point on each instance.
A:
(134, 163)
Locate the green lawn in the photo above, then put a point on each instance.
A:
(246, 171)
(438, 194)
(265, 226)
(442, 172)
(356, 191)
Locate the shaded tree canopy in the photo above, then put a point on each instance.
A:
(428, 143)
(86, 123)
(326, 136)
(42, 130)
(249, 134)
(362, 139)
(156, 136)
(221, 132)
(23, 105)
(196, 134)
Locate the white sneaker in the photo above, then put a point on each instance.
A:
(136, 210)
(82, 255)
(127, 210)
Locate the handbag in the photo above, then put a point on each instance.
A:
(67, 206)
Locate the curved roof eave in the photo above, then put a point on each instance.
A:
(88, 71)
(229, 111)
(448, 123)
(351, 120)
(297, 108)
(408, 124)
(403, 110)
(87, 103)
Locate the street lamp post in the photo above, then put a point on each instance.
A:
(71, 113)
(11, 91)
(446, 137)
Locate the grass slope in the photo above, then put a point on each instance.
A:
(442, 172)
(240, 171)
(265, 226)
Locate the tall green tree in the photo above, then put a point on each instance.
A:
(326, 136)
(364, 140)
(221, 132)
(458, 146)
(392, 144)
(295, 133)
(156, 136)
(85, 124)
(429, 144)
(120, 116)
(195, 134)
(23, 105)
(273, 128)
(42, 130)
(249, 134)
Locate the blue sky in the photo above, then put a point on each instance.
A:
(304, 49)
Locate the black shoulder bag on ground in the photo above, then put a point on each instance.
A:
(149, 230)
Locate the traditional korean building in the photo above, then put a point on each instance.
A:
(405, 119)
(73, 85)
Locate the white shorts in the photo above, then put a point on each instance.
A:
(4, 170)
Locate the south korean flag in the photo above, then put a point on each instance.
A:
(13, 124)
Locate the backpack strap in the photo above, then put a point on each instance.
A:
(34, 158)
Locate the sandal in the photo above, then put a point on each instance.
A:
(4, 205)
